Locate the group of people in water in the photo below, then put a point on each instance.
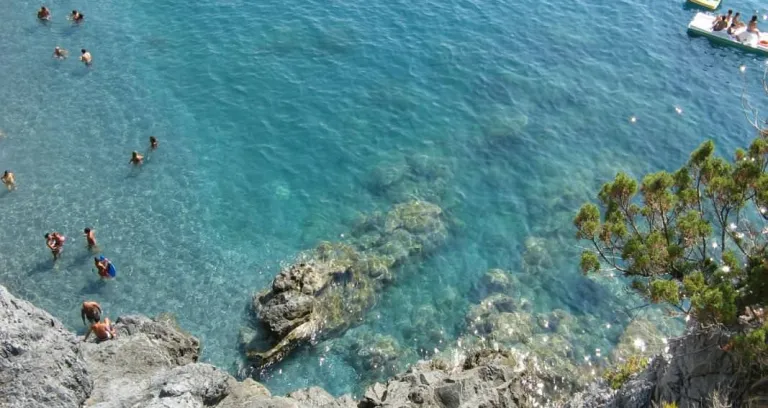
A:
(44, 14)
(733, 25)
(103, 330)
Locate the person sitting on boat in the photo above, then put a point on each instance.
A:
(720, 24)
(729, 17)
(736, 26)
(752, 26)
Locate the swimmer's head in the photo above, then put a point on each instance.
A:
(47, 236)
(152, 139)
(754, 19)
(135, 154)
(96, 259)
(83, 51)
(87, 230)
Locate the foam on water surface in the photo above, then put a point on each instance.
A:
(281, 121)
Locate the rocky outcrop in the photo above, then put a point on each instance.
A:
(485, 379)
(41, 363)
(695, 371)
(331, 287)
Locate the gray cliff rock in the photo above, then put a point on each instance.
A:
(694, 371)
(41, 364)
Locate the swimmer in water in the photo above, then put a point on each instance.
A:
(55, 242)
(85, 56)
(152, 142)
(92, 311)
(76, 16)
(59, 53)
(104, 331)
(44, 14)
(9, 180)
(102, 265)
(136, 158)
(90, 238)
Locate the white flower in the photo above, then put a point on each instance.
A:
(725, 269)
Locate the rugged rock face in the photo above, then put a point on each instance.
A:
(41, 364)
(331, 287)
(694, 372)
(486, 379)
(150, 364)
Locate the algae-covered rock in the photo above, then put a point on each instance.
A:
(330, 288)
(497, 281)
(536, 257)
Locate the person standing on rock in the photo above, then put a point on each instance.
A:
(92, 311)
(104, 331)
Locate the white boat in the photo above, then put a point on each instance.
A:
(702, 25)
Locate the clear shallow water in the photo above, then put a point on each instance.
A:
(274, 119)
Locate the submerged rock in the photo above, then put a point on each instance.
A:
(331, 287)
(374, 356)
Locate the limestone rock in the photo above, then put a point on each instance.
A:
(329, 289)
(41, 364)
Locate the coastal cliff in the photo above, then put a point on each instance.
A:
(153, 363)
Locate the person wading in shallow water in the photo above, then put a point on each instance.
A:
(9, 180)
(55, 242)
(104, 331)
(91, 311)
(90, 238)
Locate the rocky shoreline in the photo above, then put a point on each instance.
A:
(153, 363)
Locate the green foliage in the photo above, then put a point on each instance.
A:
(617, 376)
(692, 238)
(669, 405)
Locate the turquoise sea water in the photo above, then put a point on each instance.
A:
(280, 121)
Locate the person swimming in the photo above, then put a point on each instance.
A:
(92, 311)
(9, 180)
(104, 331)
(85, 56)
(44, 14)
(77, 16)
(136, 158)
(59, 53)
(90, 238)
(752, 26)
(152, 142)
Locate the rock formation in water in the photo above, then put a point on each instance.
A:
(330, 288)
